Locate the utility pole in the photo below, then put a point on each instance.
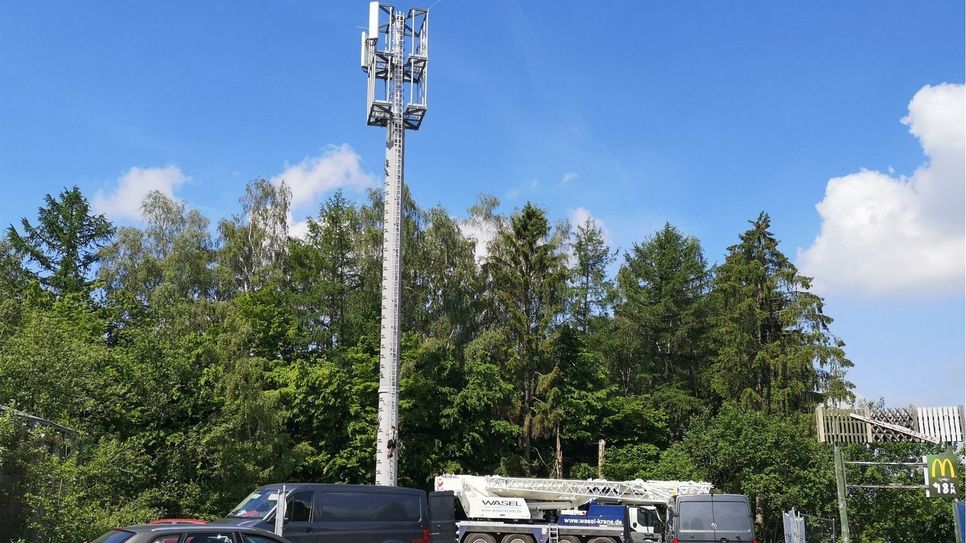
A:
(399, 66)
(600, 459)
(841, 489)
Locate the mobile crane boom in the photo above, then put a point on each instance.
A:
(556, 494)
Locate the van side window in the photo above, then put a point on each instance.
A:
(299, 507)
(346, 507)
(398, 507)
(369, 507)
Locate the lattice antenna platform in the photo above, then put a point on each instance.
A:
(385, 68)
(395, 57)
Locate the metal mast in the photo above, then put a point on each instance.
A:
(399, 66)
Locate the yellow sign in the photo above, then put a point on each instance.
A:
(941, 475)
(944, 465)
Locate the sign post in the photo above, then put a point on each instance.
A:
(959, 519)
(280, 512)
(841, 490)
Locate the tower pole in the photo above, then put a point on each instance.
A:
(387, 444)
(400, 68)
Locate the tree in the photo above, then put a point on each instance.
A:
(449, 280)
(661, 304)
(771, 458)
(894, 514)
(15, 283)
(590, 286)
(253, 244)
(324, 274)
(64, 244)
(211, 366)
(528, 277)
(429, 432)
(773, 347)
(482, 409)
(174, 251)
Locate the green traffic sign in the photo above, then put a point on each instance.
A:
(943, 475)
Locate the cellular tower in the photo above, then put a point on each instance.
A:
(395, 56)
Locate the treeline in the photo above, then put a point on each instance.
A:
(192, 364)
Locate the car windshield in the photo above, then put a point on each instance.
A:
(114, 536)
(257, 504)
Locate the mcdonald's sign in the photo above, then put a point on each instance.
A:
(942, 475)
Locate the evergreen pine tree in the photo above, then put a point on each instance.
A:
(773, 347)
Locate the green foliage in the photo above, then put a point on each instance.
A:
(661, 324)
(204, 365)
(773, 348)
(771, 458)
(56, 498)
(895, 514)
(589, 282)
(64, 243)
(253, 243)
(526, 273)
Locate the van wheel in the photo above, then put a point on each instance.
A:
(479, 538)
(569, 539)
(601, 540)
(516, 538)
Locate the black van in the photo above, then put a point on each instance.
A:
(336, 513)
(711, 518)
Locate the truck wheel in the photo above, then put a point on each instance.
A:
(479, 538)
(516, 538)
(569, 539)
(601, 540)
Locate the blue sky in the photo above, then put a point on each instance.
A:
(701, 114)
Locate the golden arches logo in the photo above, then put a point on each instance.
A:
(942, 464)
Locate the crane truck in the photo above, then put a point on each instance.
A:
(526, 510)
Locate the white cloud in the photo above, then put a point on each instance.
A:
(568, 177)
(577, 217)
(482, 231)
(886, 235)
(299, 229)
(337, 167)
(580, 215)
(125, 201)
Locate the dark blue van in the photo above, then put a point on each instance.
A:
(336, 513)
(711, 518)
